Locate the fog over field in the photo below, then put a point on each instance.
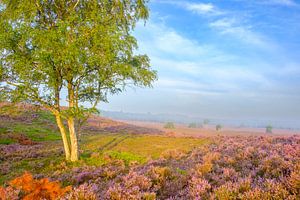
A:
(185, 119)
(236, 60)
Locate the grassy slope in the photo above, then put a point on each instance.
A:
(40, 126)
(36, 125)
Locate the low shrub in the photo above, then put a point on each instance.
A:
(169, 125)
(28, 188)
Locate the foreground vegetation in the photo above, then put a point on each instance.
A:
(123, 165)
(229, 168)
(30, 141)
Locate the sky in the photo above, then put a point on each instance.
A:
(229, 59)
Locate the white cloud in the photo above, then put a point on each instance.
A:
(226, 22)
(232, 26)
(201, 8)
(204, 66)
(158, 39)
(206, 9)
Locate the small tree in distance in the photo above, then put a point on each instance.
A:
(269, 129)
(83, 47)
(218, 127)
(192, 125)
(169, 125)
(206, 121)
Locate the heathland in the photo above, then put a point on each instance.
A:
(125, 161)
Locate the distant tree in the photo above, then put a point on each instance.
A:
(218, 127)
(206, 121)
(192, 125)
(169, 125)
(269, 129)
(84, 47)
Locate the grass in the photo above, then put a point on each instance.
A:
(36, 132)
(6, 141)
(126, 147)
(143, 146)
(41, 128)
(96, 147)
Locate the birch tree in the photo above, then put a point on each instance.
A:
(83, 47)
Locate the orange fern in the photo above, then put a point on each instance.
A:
(38, 189)
(2, 193)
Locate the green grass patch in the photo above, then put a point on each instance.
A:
(6, 141)
(36, 132)
(39, 126)
(11, 110)
(126, 157)
(45, 116)
(145, 146)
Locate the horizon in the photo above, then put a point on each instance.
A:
(234, 59)
(199, 120)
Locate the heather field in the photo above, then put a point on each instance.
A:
(121, 161)
(149, 100)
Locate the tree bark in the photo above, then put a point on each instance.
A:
(73, 139)
(71, 125)
(64, 137)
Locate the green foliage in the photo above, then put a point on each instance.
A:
(218, 127)
(169, 125)
(269, 129)
(84, 46)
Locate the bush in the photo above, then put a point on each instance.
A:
(35, 189)
(218, 127)
(83, 192)
(192, 125)
(198, 188)
(269, 129)
(132, 186)
(206, 121)
(169, 125)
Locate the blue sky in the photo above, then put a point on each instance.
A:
(233, 59)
